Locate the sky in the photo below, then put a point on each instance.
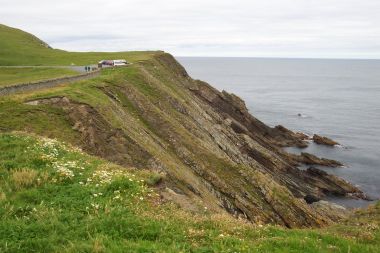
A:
(233, 28)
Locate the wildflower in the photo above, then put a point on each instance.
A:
(64, 172)
(96, 206)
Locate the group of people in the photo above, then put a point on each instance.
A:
(88, 68)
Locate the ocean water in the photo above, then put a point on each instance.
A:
(336, 98)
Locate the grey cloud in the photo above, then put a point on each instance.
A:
(286, 28)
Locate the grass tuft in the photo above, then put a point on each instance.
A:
(24, 178)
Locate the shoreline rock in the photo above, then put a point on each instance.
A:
(314, 160)
(330, 185)
(321, 140)
(309, 159)
(288, 138)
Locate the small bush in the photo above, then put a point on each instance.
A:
(154, 179)
(24, 178)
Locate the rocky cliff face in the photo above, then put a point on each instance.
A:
(213, 153)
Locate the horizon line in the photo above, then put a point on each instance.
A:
(278, 57)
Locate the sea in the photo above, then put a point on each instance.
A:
(336, 98)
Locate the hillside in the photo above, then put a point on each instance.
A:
(18, 48)
(220, 171)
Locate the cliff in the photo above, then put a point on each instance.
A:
(211, 151)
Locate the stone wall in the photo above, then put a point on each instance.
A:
(46, 84)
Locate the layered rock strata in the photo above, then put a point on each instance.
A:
(214, 154)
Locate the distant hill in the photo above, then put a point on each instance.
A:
(21, 48)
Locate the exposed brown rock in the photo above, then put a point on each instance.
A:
(324, 140)
(331, 210)
(98, 137)
(328, 184)
(290, 139)
(310, 159)
(302, 136)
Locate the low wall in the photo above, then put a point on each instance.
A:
(46, 84)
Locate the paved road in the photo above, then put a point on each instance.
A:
(47, 83)
(76, 68)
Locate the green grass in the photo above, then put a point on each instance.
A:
(11, 76)
(73, 202)
(19, 48)
(43, 120)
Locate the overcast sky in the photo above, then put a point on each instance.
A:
(261, 28)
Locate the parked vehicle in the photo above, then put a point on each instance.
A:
(108, 63)
(121, 62)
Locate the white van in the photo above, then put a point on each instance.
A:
(120, 62)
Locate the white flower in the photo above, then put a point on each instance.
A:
(64, 172)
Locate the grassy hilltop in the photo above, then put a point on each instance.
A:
(78, 170)
(20, 48)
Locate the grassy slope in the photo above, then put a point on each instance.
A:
(23, 49)
(54, 198)
(10, 76)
